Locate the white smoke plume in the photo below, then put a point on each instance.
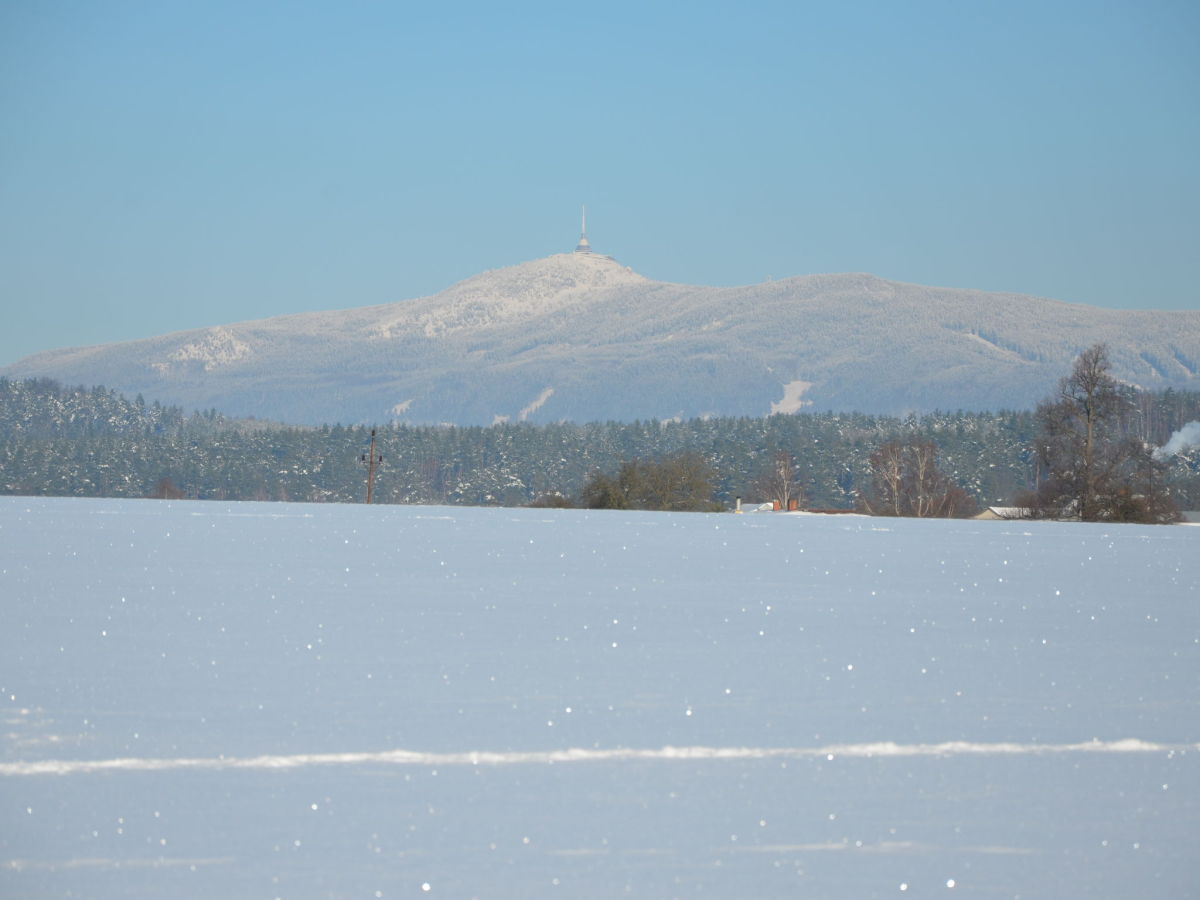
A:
(1187, 436)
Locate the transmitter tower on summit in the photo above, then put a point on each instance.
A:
(583, 246)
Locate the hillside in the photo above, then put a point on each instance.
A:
(580, 337)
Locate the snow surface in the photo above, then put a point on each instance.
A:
(286, 700)
(793, 398)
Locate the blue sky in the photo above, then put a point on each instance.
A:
(168, 165)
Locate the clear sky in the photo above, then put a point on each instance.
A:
(168, 165)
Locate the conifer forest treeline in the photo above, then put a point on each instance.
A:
(94, 442)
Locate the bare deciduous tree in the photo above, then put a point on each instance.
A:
(887, 472)
(164, 489)
(907, 481)
(1096, 466)
(779, 480)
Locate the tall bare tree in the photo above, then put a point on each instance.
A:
(887, 474)
(1096, 466)
(907, 481)
(779, 480)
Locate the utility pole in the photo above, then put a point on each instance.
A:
(371, 459)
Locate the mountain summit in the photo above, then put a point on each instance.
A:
(512, 294)
(578, 336)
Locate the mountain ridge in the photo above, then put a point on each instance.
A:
(582, 337)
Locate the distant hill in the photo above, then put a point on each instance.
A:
(580, 337)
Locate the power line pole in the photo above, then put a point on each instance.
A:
(371, 459)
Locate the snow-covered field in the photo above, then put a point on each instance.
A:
(282, 700)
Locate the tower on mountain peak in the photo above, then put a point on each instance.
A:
(583, 246)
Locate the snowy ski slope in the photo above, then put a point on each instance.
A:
(283, 700)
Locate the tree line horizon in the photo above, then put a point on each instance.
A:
(63, 441)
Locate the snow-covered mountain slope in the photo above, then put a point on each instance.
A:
(581, 337)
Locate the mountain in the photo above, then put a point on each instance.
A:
(580, 337)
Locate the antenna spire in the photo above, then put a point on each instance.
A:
(583, 246)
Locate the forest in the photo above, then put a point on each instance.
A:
(93, 442)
